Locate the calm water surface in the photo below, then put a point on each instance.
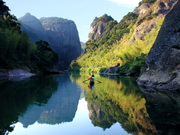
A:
(66, 105)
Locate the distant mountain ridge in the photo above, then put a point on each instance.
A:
(61, 34)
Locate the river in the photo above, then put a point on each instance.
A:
(67, 105)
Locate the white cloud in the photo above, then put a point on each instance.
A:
(127, 2)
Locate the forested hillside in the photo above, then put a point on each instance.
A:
(16, 51)
(127, 42)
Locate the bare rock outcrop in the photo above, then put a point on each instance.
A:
(163, 61)
(149, 14)
(98, 27)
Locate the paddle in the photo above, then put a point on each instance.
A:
(94, 80)
(85, 81)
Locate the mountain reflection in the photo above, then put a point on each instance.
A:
(119, 99)
(43, 99)
(61, 107)
(16, 96)
(54, 100)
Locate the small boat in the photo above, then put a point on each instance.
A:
(91, 82)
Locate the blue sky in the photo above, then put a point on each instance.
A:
(82, 12)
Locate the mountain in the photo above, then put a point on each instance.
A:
(127, 42)
(163, 61)
(98, 27)
(61, 34)
(63, 38)
(33, 27)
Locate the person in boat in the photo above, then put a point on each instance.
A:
(91, 83)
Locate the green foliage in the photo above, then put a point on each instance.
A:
(105, 18)
(132, 68)
(74, 66)
(116, 31)
(16, 51)
(102, 70)
(100, 54)
(44, 56)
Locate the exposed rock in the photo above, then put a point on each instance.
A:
(63, 38)
(149, 16)
(111, 70)
(19, 72)
(97, 27)
(163, 61)
(142, 9)
(61, 34)
(16, 74)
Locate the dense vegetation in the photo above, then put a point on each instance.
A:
(118, 46)
(16, 51)
(99, 54)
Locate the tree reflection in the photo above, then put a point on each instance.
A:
(61, 106)
(119, 99)
(15, 97)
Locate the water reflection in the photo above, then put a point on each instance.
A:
(53, 100)
(164, 109)
(15, 97)
(61, 107)
(44, 99)
(119, 99)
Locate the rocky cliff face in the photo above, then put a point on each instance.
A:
(149, 15)
(63, 37)
(97, 27)
(163, 61)
(61, 34)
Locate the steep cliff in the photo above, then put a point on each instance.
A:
(61, 34)
(149, 15)
(63, 37)
(99, 26)
(163, 61)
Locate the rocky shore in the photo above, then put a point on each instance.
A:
(16, 73)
